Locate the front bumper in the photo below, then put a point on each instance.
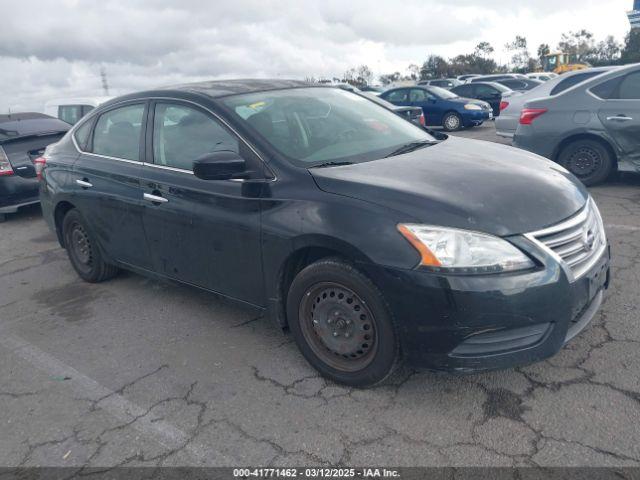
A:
(475, 117)
(476, 323)
(16, 192)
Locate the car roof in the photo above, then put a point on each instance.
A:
(223, 88)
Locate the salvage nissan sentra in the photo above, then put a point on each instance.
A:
(370, 240)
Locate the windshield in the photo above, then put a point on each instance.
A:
(317, 125)
(441, 92)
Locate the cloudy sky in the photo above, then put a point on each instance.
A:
(56, 48)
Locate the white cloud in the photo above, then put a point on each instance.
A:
(50, 48)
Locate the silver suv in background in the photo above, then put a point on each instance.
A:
(507, 123)
(591, 129)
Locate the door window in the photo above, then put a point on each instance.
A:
(463, 90)
(485, 91)
(182, 134)
(397, 96)
(117, 133)
(418, 95)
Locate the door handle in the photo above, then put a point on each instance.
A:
(84, 184)
(619, 118)
(154, 198)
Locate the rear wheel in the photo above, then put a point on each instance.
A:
(452, 122)
(82, 249)
(588, 160)
(341, 324)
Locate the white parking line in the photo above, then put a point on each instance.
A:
(629, 228)
(160, 431)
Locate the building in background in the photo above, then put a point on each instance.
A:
(634, 15)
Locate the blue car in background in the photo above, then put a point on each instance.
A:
(441, 107)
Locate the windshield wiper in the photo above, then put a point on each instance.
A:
(331, 164)
(410, 147)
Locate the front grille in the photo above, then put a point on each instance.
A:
(577, 242)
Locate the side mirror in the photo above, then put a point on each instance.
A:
(26, 171)
(222, 165)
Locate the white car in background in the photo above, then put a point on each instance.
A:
(71, 110)
(542, 76)
(507, 122)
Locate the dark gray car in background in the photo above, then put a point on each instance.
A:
(591, 129)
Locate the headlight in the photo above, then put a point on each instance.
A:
(462, 251)
(472, 106)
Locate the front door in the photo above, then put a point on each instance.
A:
(419, 97)
(202, 232)
(107, 185)
(620, 115)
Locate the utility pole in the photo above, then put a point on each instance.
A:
(105, 84)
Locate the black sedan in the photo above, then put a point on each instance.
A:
(23, 138)
(495, 94)
(370, 240)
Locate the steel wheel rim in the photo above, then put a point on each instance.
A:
(338, 326)
(80, 245)
(452, 122)
(584, 161)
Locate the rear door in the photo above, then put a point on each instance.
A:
(620, 113)
(107, 185)
(202, 232)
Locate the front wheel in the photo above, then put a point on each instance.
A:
(83, 251)
(588, 160)
(452, 122)
(342, 324)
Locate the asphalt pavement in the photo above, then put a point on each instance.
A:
(137, 372)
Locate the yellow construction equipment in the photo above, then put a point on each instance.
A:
(560, 62)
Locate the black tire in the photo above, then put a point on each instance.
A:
(589, 160)
(452, 122)
(367, 350)
(83, 251)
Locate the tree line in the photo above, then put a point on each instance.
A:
(582, 44)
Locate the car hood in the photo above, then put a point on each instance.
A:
(464, 101)
(465, 184)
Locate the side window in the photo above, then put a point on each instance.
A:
(463, 90)
(607, 90)
(485, 90)
(567, 83)
(397, 96)
(117, 132)
(183, 134)
(630, 87)
(82, 134)
(70, 113)
(417, 95)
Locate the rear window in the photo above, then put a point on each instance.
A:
(29, 127)
(571, 81)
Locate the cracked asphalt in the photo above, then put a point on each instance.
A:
(135, 372)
